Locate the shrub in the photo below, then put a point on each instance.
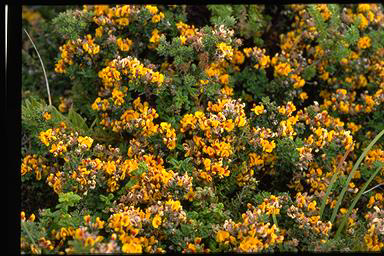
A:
(163, 136)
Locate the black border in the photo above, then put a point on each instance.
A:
(12, 101)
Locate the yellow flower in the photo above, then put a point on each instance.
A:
(32, 217)
(110, 167)
(225, 49)
(325, 76)
(183, 39)
(132, 248)
(283, 69)
(34, 249)
(152, 9)
(207, 164)
(371, 202)
(63, 232)
(175, 205)
(255, 160)
(227, 90)
(190, 195)
(363, 7)
(258, 110)
(229, 125)
(155, 38)
(47, 116)
(247, 51)
(156, 222)
(222, 236)
(99, 31)
(22, 215)
(299, 83)
(156, 18)
(363, 21)
(87, 141)
(238, 57)
(264, 62)
(303, 96)
(312, 206)
(99, 223)
(191, 248)
(364, 42)
(224, 79)
(268, 146)
(157, 78)
(46, 136)
(124, 44)
(240, 121)
(209, 150)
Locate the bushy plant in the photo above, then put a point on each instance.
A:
(166, 137)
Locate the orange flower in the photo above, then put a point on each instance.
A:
(222, 236)
(156, 222)
(364, 42)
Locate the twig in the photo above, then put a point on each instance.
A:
(42, 65)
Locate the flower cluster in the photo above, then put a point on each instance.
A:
(375, 233)
(67, 145)
(84, 48)
(152, 185)
(305, 214)
(34, 164)
(127, 225)
(132, 69)
(213, 136)
(253, 234)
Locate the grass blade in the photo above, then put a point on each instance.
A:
(362, 156)
(333, 180)
(42, 65)
(357, 197)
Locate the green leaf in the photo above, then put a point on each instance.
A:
(77, 121)
(352, 34)
(309, 72)
(66, 200)
(130, 183)
(186, 229)
(140, 170)
(193, 215)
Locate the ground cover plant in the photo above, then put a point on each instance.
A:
(218, 128)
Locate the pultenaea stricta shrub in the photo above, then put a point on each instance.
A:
(166, 136)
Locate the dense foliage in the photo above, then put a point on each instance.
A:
(256, 131)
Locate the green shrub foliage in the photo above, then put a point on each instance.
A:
(260, 131)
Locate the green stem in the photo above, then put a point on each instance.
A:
(362, 156)
(276, 224)
(357, 197)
